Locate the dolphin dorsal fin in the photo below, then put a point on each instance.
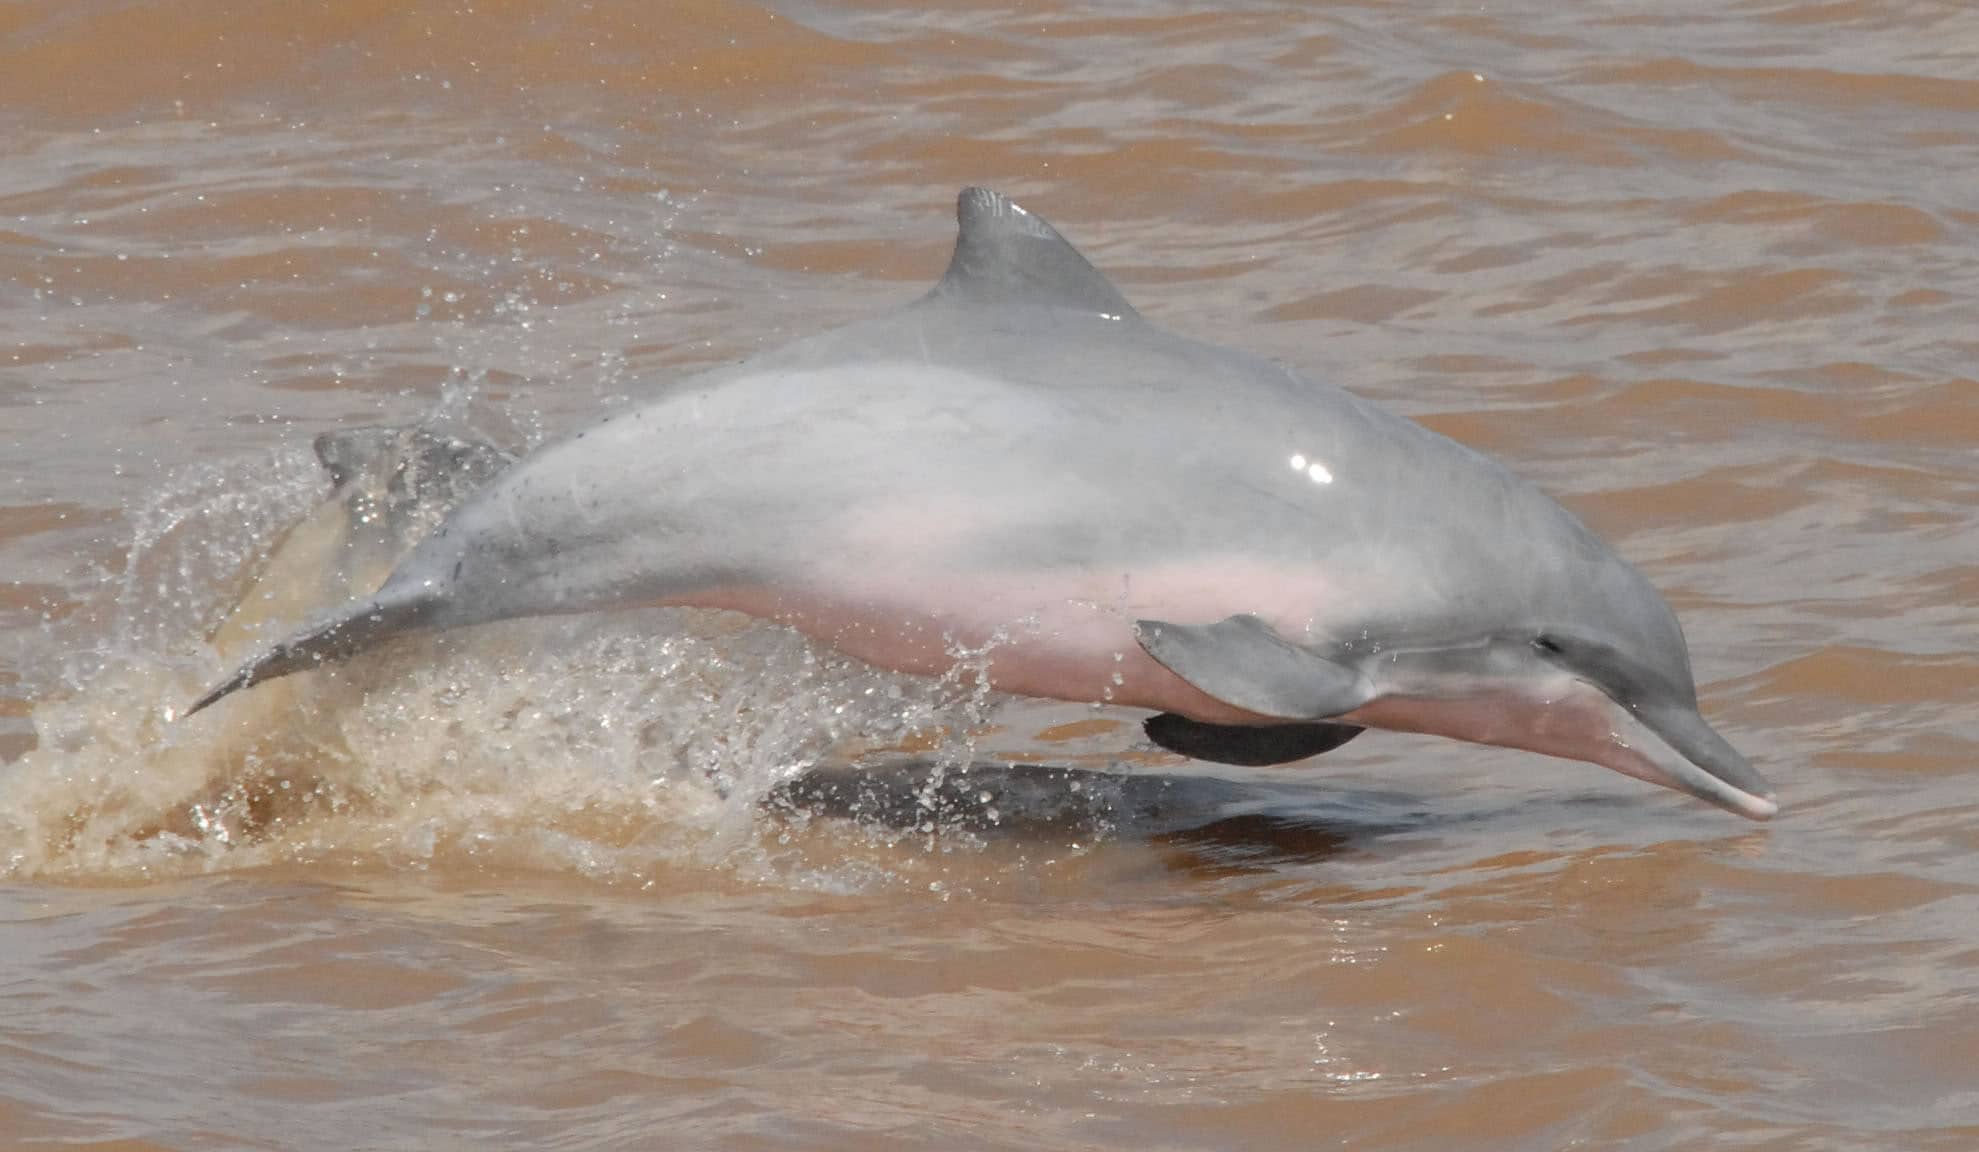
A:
(1007, 254)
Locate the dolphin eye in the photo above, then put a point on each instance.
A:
(1546, 644)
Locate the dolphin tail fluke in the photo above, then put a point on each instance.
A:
(332, 641)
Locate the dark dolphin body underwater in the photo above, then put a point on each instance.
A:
(1018, 464)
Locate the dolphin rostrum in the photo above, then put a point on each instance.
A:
(1018, 471)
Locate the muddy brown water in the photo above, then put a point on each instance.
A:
(1708, 272)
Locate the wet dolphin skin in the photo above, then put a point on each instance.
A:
(1018, 464)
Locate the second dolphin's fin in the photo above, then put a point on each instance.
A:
(1248, 746)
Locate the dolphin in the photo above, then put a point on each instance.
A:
(389, 486)
(1018, 476)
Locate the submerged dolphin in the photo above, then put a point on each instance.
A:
(1017, 472)
(389, 487)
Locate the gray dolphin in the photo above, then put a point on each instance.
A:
(390, 486)
(1018, 474)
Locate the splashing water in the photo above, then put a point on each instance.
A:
(611, 745)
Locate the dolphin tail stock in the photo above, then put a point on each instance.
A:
(352, 630)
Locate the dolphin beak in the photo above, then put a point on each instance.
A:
(1674, 747)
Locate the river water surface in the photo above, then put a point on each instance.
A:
(1707, 272)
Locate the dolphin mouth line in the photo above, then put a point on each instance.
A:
(1679, 751)
(1697, 782)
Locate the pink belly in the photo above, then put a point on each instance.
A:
(1072, 638)
(1050, 636)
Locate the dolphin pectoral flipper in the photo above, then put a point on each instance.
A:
(1247, 746)
(1243, 663)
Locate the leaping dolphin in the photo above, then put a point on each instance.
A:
(1019, 471)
